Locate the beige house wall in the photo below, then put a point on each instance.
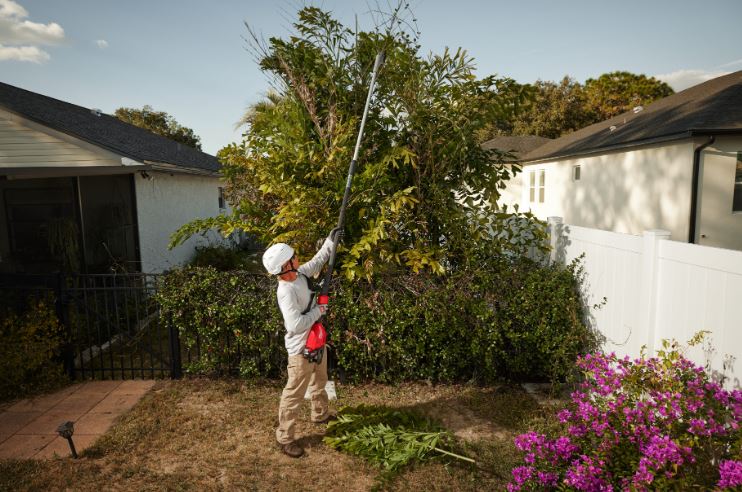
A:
(623, 191)
(26, 144)
(512, 194)
(718, 225)
(631, 191)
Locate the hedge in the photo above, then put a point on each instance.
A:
(513, 320)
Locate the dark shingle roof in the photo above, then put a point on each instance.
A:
(105, 131)
(714, 106)
(519, 145)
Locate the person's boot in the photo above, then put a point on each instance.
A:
(329, 418)
(292, 449)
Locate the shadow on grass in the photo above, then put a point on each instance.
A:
(311, 441)
(504, 409)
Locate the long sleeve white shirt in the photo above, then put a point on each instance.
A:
(293, 298)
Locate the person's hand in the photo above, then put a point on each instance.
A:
(336, 235)
(322, 308)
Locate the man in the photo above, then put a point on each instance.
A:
(300, 311)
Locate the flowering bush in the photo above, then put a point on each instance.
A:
(652, 423)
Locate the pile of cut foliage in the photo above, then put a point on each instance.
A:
(389, 438)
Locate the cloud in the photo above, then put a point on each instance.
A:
(23, 53)
(102, 43)
(684, 78)
(20, 38)
(731, 64)
(15, 29)
(8, 8)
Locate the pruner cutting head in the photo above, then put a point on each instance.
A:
(380, 57)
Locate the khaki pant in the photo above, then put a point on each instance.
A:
(302, 373)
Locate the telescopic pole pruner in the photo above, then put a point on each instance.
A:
(323, 297)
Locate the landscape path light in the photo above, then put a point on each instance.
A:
(66, 430)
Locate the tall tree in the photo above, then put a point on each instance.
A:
(424, 193)
(551, 109)
(512, 99)
(555, 110)
(161, 123)
(617, 92)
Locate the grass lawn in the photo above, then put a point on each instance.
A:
(203, 434)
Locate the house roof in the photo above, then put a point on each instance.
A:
(103, 130)
(519, 145)
(711, 107)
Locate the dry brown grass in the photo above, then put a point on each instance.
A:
(201, 434)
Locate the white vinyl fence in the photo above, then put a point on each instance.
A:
(658, 289)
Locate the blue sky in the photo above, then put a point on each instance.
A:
(188, 57)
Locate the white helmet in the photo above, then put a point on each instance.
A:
(275, 256)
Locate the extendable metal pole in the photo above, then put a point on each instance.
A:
(351, 171)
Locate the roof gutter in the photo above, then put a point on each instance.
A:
(610, 148)
(694, 188)
(173, 169)
(632, 144)
(61, 172)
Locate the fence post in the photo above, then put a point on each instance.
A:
(62, 307)
(648, 284)
(555, 232)
(176, 366)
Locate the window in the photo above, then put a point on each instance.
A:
(536, 185)
(222, 201)
(32, 212)
(532, 187)
(576, 173)
(737, 200)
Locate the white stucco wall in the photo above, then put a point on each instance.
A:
(164, 203)
(513, 193)
(624, 191)
(718, 225)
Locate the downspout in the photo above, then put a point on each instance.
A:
(694, 189)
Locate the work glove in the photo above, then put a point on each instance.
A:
(322, 308)
(336, 235)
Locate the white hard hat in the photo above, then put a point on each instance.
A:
(275, 256)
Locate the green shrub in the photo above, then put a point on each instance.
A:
(30, 345)
(232, 317)
(539, 324)
(225, 258)
(511, 320)
(404, 328)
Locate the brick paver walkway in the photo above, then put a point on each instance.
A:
(28, 428)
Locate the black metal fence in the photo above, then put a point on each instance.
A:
(111, 320)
